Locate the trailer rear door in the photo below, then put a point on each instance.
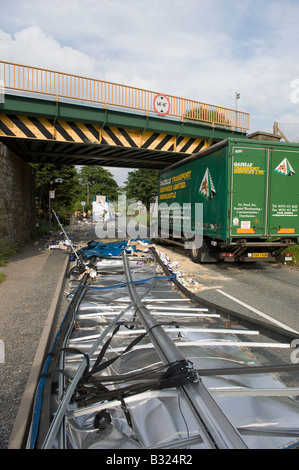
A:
(249, 192)
(284, 193)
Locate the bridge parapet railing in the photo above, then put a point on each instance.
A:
(63, 85)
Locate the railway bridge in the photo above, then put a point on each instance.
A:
(54, 117)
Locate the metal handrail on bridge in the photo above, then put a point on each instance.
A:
(64, 85)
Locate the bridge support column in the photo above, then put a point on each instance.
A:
(17, 198)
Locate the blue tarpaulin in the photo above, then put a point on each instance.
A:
(105, 250)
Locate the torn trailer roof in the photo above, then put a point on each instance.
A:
(137, 365)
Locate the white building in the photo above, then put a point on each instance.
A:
(100, 208)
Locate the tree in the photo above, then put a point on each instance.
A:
(62, 179)
(142, 185)
(96, 180)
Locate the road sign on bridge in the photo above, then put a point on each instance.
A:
(161, 104)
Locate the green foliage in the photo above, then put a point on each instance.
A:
(207, 115)
(63, 179)
(142, 185)
(295, 250)
(6, 252)
(44, 228)
(95, 180)
(71, 186)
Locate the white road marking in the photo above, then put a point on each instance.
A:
(258, 312)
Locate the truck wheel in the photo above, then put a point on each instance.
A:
(195, 254)
(205, 254)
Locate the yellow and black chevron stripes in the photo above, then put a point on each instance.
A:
(44, 129)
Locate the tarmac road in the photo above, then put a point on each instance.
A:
(266, 288)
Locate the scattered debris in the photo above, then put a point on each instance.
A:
(90, 270)
(181, 275)
(58, 241)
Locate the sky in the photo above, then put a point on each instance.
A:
(205, 50)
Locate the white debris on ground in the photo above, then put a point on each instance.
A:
(58, 241)
(139, 247)
(182, 276)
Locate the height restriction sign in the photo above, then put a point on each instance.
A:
(161, 104)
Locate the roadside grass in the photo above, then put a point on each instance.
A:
(142, 218)
(44, 228)
(6, 252)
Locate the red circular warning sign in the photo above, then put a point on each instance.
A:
(161, 104)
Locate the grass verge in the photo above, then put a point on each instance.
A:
(6, 252)
(44, 228)
(295, 250)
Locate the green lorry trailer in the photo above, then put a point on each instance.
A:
(248, 192)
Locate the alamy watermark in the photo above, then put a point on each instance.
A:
(295, 353)
(295, 93)
(166, 220)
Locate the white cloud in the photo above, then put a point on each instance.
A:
(120, 174)
(197, 49)
(32, 46)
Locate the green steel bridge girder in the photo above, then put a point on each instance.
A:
(82, 112)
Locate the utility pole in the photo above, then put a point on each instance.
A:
(237, 97)
(50, 207)
(51, 196)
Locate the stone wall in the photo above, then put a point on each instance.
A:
(17, 198)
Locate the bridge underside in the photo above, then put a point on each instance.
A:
(40, 140)
(75, 154)
(57, 132)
